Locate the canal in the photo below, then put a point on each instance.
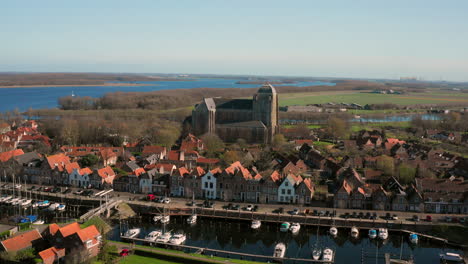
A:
(237, 236)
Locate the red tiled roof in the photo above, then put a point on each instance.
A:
(69, 229)
(183, 171)
(21, 241)
(309, 184)
(153, 150)
(166, 166)
(85, 171)
(53, 228)
(106, 172)
(390, 142)
(88, 233)
(207, 160)
(107, 153)
(139, 171)
(173, 155)
(200, 171)
(216, 170)
(258, 177)
(58, 160)
(71, 166)
(6, 156)
(51, 253)
(275, 176)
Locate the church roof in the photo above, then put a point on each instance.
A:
(240, 104)
(267, 88)
(210, 104)
(250, 124)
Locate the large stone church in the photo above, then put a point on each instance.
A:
(255, 120)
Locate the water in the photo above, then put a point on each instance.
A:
(238, 237)
(382, 119)
(46, 97)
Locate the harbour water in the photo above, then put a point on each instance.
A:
(46, 97)
(237, 236)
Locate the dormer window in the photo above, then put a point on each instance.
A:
(286, 184)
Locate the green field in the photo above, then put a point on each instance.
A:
(370, 98)
(132, 259)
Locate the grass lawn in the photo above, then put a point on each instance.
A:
(355, 127)
(367, 98)
(308, 126)
(132, 259)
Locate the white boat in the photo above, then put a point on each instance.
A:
(285, 227)
(280, 250)
(12, 201)
(316, 253)
(153, 235)
(383, 233)
(177, 239)
(333, 231)
(131, 233)
(5, 198)
(165, 219)
(16, 201)
(44, 204)
(294, 228)
(53, 206)
(38, 222)
(256, 224)
(164, 238)
(61, 207)
(372, 233)
(413, 238)
(192, 219)
(327, 254)
(26, 202)
(354, 232)
(449, 256)
(157, 218)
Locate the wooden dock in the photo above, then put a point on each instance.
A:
(219, 252)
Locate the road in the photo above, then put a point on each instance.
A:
(263, 208)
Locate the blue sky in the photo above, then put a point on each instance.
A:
(374, 39)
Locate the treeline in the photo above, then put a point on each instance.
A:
(170, 99)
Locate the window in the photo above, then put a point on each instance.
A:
(211, 185)
(206, 185)
(209, 177)
(289, 191)
(220, 185)
(283, 191)
(286, 184)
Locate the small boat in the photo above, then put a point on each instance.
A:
(44, 204)
(449, 256)
(38, 222)
(383, 233)
(256, 224)
(5, 198)
(12, 201)
(164, 238)
(316, 253)
(372, 233)
(16, 201)
(333, 231)
(131, 233)
(192, 219)
(165, 219)
(177, 239)
(413, 238)
(153, 235)
(354, 232)
(157, 218)
(294, 228)
(61, 207)
(327, 254)
(53, 206)
(280, 250)
(26, 203)
(285, 227)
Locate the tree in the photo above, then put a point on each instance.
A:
(386, 164)
(336, 127)
(89, 160)
(278, 141)
(107, 253)
(230, 157)
(264, 161)
(212, 143)
(406, 173)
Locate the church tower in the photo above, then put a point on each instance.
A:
(265, 109)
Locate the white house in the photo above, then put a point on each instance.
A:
(79, 177)
(287, 189)
(146, 183)
(208, 182)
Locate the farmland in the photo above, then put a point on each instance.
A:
(364, 98)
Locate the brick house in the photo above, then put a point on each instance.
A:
(269, 188)
(380, 199)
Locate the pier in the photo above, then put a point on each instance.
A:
(218, 252)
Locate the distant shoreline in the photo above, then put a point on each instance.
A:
(75, 85)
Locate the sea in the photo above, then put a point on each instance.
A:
(47, 97)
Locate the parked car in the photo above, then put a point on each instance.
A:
(55, 190)
(279, 210)
(79, 192)
(47, 189)
(315, 212)
(228, 207)
(346, 215)
(394, 217)
(31, 188)
(255, 208)
(462, 220)
(67, 191)
(354, 215)
(368, 215)
(235, 207)
(428, 218)
(124, 252)
(191, 203)
(295, 211)
(39, 189)
(374, 216)
(166, 200)
(249, 207)
(361, 215)
(388, 216)
(448, 219)
(327, 213)
(416, 218)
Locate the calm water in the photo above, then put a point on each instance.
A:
(238, 237)
(46, 97)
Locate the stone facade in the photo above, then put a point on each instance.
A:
(255, 120)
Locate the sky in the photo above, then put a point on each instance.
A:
(355, 38)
